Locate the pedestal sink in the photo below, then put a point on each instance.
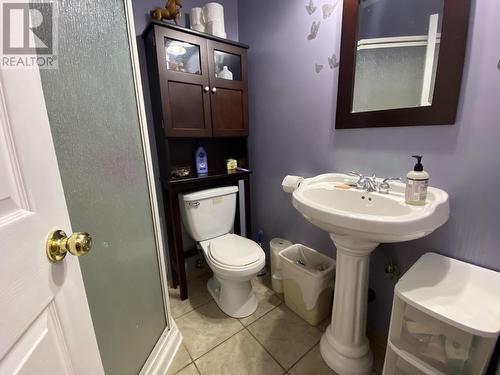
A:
(358, 221)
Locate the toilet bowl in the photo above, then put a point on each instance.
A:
(208, 217)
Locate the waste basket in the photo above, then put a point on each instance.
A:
(308, 280)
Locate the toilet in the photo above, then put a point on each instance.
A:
(208, 217)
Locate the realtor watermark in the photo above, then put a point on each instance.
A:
(29, 34)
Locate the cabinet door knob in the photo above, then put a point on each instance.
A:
(206, 89)
(214, 89)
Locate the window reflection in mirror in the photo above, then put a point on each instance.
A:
(396, 54)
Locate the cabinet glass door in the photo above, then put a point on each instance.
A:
(227, 65)
(182, 56)
(184, 83)
(228, 93)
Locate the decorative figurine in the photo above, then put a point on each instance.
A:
(172, 11)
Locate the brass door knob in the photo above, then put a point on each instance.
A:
(59, 244)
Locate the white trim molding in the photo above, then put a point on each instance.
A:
(396, 41)
(163, 353)
(430, 57)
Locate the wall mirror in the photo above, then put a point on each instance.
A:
(401, 62)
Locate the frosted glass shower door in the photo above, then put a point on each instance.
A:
(93, 114)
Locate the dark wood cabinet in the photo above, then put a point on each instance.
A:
(186, 68)
(198, 87)
(229, 103)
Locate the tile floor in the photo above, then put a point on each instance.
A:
(273, 340)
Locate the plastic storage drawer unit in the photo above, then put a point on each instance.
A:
(445, 317)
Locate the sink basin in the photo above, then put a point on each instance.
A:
(358, 221)
(371, 216)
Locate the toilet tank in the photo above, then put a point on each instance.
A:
(208, 213)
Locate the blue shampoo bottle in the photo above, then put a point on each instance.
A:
(201, 161)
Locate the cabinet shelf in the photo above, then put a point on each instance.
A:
(211, 176)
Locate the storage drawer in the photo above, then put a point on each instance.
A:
(398, 365)
(442, 346)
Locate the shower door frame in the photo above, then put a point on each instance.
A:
(167, 345)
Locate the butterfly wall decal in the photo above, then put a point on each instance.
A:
(314, 30)
(328, 9)
(311, 8)
(333, 62)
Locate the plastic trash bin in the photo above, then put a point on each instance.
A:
(308, 280)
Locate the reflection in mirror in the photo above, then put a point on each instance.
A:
(396, 54)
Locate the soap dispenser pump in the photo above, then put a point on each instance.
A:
(417, 183)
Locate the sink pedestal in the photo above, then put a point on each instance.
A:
(344, 346)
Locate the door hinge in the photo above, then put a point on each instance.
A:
(162, 124)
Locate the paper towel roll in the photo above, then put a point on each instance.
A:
(276, 245)
(200, 28)
(290, 183)
(195, 17)
(213, 12)
(215, 28)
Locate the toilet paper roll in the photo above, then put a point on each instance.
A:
(290, 183)
(200, 28)
(276, 245)
(196, 17)
(215, 28)
(213, 12)
(277, 282)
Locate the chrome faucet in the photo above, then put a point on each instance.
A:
(365, 182)
(370, 183)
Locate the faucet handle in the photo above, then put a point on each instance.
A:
(384, 186)
(357, 174)
(360, 184)
(393, 179)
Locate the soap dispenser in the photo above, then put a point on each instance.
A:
(417, 183)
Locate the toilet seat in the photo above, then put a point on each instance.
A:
(233, 251)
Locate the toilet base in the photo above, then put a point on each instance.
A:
(235, 298)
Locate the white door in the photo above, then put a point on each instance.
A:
(45, 323)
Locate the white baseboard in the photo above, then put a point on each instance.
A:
(163, 353)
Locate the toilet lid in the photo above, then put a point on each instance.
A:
(234, 250)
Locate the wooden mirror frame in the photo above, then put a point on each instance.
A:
(448, 77)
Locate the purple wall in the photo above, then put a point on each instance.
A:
(142, 18)
(292, 114)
